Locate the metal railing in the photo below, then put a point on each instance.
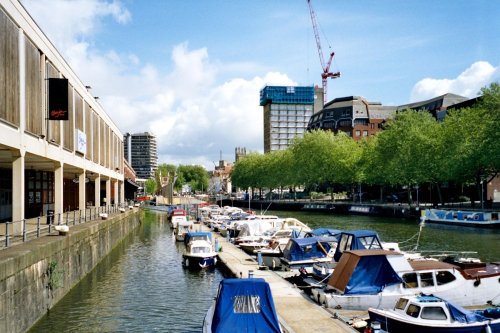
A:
(15, 232)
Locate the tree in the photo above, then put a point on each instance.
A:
(150, 186)
(407, 150)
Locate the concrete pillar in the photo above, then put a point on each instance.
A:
(58, 190)
(122, 192)
(115, 183)
(18, 194)
(82, 197)
(108, 192)
(97, 192)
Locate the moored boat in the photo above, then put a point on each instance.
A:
(242, 305)
(377, 278)
(462, 218)
(199, 253)
(431, 314)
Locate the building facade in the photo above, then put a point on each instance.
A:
(49, 165)
(287, 111)
(142, 154)
(360, 118)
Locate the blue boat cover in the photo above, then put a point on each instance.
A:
(305, 248)
(325, 232)
(457, 313)
(245, 305)
(194, 235)
(361, 240)
(371, 275)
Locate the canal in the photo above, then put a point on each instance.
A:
(142, 287)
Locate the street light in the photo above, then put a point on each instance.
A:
(482, 193)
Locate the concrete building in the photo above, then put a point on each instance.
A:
(142, 154)
(360, 118)
(286, 113)
(50, 165)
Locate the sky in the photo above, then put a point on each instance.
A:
(190, 71)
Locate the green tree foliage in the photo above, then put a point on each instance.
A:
(194, 175)
(150, 186)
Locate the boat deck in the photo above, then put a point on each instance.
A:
(296, 311)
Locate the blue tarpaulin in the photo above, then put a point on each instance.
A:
(357, 240)
(371, 275)
(245, 305)
(319, 232)
(305, 248)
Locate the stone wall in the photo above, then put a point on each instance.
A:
(35, 275)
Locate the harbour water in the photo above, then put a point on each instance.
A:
(142, 287)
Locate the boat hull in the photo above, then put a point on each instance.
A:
(389, 324)
(198, 262)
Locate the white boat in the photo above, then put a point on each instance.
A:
(462, 218)
(431, 314)
(378, 278)
(183, 227)
(242, 306)
(199, 253)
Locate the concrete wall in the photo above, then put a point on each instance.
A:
(34, 276)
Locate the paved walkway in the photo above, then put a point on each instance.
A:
(297, 312)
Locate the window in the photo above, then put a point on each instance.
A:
(401, 304)
(358, 132)
(444, 277)
(433, 313)
(410, 280)
(246, 304)
(413, 310)
(426, 280)
(365, 133)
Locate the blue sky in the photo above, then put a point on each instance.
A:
(190, 71)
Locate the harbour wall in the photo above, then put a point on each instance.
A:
(35, 275)
(398, 210)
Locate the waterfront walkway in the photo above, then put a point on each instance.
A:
(297, 313)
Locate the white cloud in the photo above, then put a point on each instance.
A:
(193, 115)
(468, 83)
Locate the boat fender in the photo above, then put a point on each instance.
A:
(186, 262)
(477, 282)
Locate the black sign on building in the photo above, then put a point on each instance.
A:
(58, 99)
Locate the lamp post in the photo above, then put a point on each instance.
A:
(482, 193)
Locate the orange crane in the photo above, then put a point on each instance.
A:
(326, 68)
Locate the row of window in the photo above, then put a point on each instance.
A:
(103, 146)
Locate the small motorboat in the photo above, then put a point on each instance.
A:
(242, 305)
(431, 314)
(199, 253)
(183, 227)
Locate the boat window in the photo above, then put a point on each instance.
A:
(410, 280)
(426, 280)
(433, 313)
(401, 304)
(345, 243)
(246, 304)
(413, 310)
(444, 277)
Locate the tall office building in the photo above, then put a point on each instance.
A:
(287, 111)
(141, 153)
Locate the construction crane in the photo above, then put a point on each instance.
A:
(326, 68)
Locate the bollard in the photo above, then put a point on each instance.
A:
(38, 227)
(250, 274)
(259, 259)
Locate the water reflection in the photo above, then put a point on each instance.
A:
(140, 287)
